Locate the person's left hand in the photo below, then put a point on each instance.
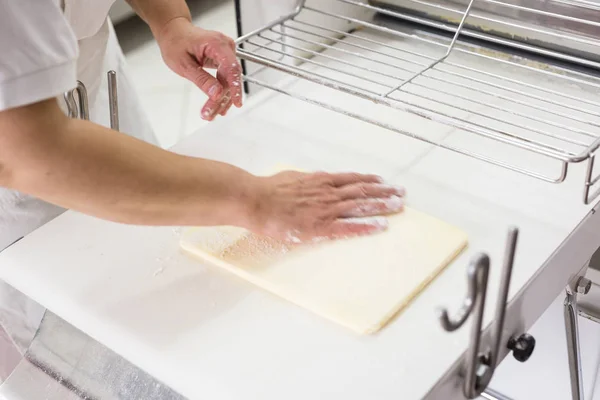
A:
(189, 51)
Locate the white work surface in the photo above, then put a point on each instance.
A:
(209, 335)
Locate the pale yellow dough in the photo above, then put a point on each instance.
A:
(360, 283)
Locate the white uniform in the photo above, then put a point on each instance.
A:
(45, 47)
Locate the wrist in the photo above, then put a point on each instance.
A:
(171, 26)
(249, 206)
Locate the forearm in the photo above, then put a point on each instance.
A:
(158, 13)
(79, 165)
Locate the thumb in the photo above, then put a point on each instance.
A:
(205, 81)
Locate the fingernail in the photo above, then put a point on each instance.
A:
(214, 91)
(207, 113)
(379, 223)
(394, 203)
(398, 190)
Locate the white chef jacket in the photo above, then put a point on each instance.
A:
(45, 47)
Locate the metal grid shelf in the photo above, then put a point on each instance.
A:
(502, 107)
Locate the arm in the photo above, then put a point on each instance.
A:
(159, 13)
(80, 165)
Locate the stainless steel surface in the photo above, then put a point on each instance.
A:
(113, 100)
(480, 364)
(589, 306)
(63, 363)
(569, 29)
(595, 267)
(569, 134)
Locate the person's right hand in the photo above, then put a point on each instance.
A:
(298, 207)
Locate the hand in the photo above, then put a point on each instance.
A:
(189, 51)
(297, 207)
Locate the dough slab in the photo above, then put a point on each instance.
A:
(360, 283)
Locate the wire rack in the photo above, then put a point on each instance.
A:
(339, 45)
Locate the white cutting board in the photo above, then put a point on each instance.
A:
(360, 283)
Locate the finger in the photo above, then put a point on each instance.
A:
(349, 178)
(225, 106)
(204, 81)
(208, 63)
(233, 75)
(226, 100)
(210, 109)
(349, 227)
(225, 103)
(229, 71)
(231, 43)
(370, 207)
(369, 190)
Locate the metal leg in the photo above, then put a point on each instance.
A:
(582, 286)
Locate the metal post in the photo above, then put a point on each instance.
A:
(113, 100)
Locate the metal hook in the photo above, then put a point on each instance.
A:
(84, 109)
(71, 104)
(80, 108)
(452, 324)
(480, 365)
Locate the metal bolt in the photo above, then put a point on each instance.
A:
(584, 285)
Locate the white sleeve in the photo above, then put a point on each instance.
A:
(38, 52)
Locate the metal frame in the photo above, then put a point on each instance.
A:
(288, 45)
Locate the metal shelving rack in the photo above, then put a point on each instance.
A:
(564, 131)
